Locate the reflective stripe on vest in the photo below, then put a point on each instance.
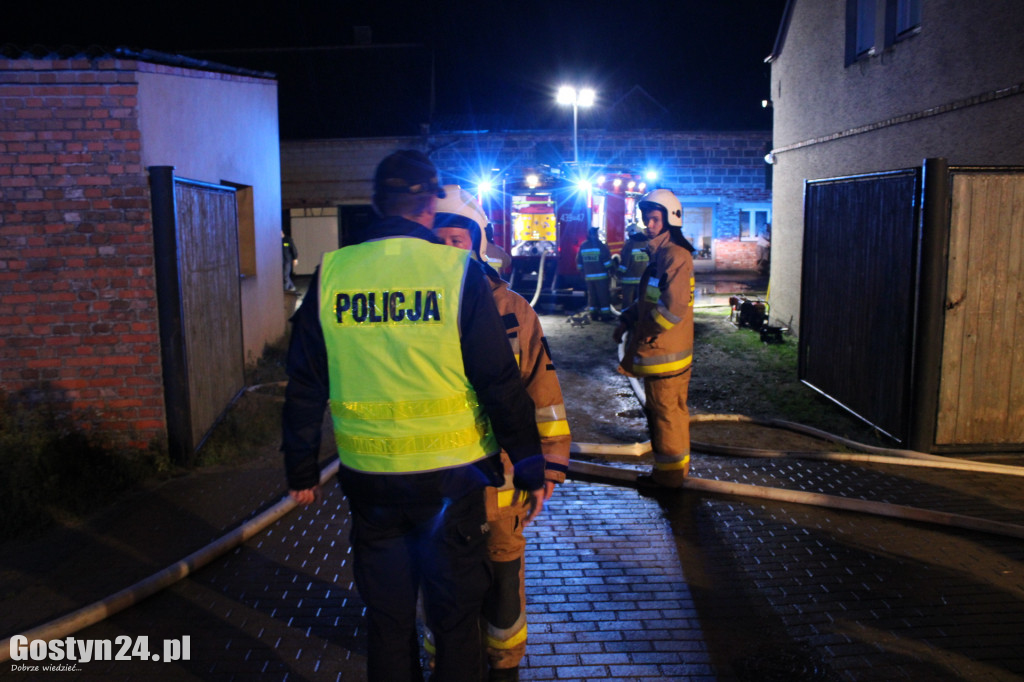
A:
(389, 310)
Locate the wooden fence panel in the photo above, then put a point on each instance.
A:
(207, 239)
(981, 395)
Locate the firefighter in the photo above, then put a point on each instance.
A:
(496, 256)
(633, 260)
(458, 222)
(660, 347)
(289, 258)
(595, 262)
(401, 336)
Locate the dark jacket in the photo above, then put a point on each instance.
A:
(490, 367)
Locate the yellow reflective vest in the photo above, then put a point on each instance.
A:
(399, 396)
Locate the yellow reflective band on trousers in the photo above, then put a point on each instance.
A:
(505, 639)
(662, 364)
(671, 465)
(400, 399)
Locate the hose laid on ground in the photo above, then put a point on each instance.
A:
(877, 455)
(540, 279)
(609, 474)
(98, 611)
(115, 603)
(883, 456)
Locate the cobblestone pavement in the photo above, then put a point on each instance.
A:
(622, 585)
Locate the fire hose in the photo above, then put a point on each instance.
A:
(587, 471)
(540, 279)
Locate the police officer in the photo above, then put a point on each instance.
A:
(595, 262)
(401, 336)
(660, 348)
(633, 260)
(459, 222)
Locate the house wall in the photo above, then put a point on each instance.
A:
(953, 90)
(215, 128)
(723, 170)
(77, 294)
(78, 315)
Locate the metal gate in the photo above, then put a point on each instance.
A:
(195, 230)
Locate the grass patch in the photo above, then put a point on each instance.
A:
(252, 422)
(54, 473)
(736, 373)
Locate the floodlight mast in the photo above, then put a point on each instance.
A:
(583, 97)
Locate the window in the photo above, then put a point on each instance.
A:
(864, 31)
(753, 221)
(868, 22)
(860, 29)
(904, 18)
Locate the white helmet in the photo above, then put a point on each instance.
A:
(659, 198)
(459, 208)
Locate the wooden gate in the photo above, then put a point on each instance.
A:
(196, 241)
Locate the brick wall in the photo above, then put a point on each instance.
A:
(720, 169)
(77, 299)
(734, 255)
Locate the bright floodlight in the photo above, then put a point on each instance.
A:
(581, 98)
(652, 175)
(566, 95)
(484, 187)
(583, 185)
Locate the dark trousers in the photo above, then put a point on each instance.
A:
(441, 549)
(599, 296)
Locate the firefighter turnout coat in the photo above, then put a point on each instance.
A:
(530, 348)
(504, 611)
(633, 261)
(661, 321)
(660, 349)
(594, 260)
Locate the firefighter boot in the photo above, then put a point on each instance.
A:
(503, 675)
(667, 474)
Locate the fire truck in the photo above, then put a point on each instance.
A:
(540, 216)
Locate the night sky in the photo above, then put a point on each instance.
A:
(454, 64)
